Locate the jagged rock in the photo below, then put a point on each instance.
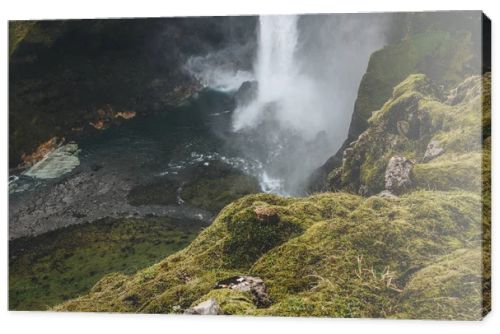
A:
(347, 154)
(246, 93)
(266, 214)
(387, 194)
(397, 174)
(208, 307)
(247, 283)
(433, 151)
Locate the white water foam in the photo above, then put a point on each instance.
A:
(280, 82)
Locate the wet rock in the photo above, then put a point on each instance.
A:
(246, 93)
(397, 174)
(247, 283)
(57, 163)
(266, 214)
(125, 114)
(433, 151)
(208, 307)
(42, 150)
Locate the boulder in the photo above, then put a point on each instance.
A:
(246, 93)
(397, 174)
(208, 307)
(266, 214)
(247, 283)
(433, 151)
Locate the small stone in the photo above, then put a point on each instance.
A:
(433, 151)
(266, 214)
(247, 283)
(246, 93)
(208, 307)
(397, 174)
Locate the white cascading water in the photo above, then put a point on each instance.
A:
(279, 79)
(275, 66)
(280, 85)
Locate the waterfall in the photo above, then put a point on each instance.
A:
(307, 72)
(278, 76)
(275, 65)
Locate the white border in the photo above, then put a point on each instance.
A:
(44, 322)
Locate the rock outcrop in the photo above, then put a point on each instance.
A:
(433, 150)
(397, 174)
(247, 283)
(246, 93)
(453, 43)
(208, 307)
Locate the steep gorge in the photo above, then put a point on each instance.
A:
(401, 228)
(405, 235)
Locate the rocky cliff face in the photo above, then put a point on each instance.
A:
(68, 77)
(419, 249)
(444, 46)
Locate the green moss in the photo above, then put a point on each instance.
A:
(56, 266)
(447, 58)
(447, 289)
(351, 257)
(215, 190)
(17, 32)
(162, 191)
(450, 171)
(210, 187)
(336, 265)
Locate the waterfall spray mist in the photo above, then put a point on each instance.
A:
(304, 82)
(279, 79)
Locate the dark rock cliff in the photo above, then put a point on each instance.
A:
(65, 74)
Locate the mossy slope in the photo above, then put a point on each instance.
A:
(331, 254)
